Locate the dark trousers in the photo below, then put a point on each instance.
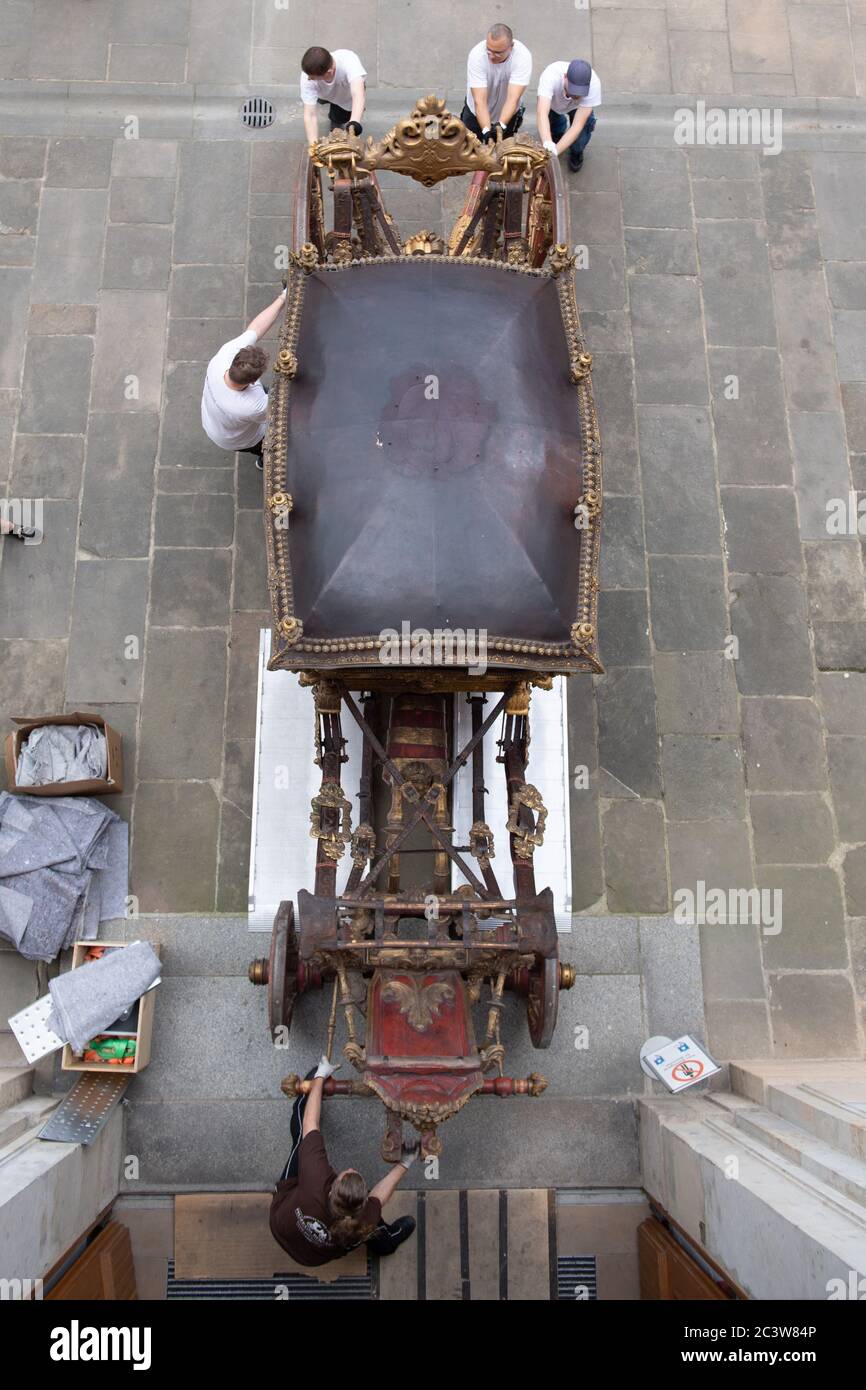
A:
(337, 115)
(257, 448)
(297, 1121)
(471, 121)
(382, 1241)
(560, 123)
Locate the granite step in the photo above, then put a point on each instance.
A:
(16, 1083)
(27, 1115)
(814, 1156)
(780, 1229)
(826, 1099)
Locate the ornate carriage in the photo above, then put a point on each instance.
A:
(432, 466)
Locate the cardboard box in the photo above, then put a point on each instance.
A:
(91, 786)
(71, 1062)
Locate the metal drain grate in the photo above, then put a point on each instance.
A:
(257, 113)
(345, 1288)
(576, 1277)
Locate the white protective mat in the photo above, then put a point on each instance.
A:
(282, 851)
(547, 770)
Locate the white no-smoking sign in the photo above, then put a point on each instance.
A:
(677, 1063)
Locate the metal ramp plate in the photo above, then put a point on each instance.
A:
(80, 1117)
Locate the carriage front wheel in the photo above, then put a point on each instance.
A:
(283, 969)
(542, 1001)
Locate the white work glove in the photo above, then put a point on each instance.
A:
(549, 145)
(410, 1152)
(326, 1068)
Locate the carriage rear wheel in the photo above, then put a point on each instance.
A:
(283, 969)
(542, 1002)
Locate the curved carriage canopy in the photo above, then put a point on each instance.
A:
(434, 453)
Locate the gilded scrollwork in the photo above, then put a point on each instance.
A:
(424, 243)
(333, 842)
(420, 1004)
(429, 145)
(526, 841)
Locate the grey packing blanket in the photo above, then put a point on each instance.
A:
(86, 1000)
(61, 753)
(63, 870)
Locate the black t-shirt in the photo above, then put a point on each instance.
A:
(299, 1210)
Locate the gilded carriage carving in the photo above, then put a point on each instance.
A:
(429, 145)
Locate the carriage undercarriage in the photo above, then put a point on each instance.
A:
(406, 965)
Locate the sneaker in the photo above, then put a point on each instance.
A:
(575, 162)
(22, 533)
(401, 1230)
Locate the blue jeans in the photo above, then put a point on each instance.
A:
(559, 124)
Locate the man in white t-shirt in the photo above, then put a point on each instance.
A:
(567, 94)
(234, 404)
(497, 74)
(335, 80)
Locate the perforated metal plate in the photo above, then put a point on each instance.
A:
(30, 1027)
(257, 113)
(85, 1110)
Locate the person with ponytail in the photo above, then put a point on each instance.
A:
(318, 1215)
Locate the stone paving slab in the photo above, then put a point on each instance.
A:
(724, 301)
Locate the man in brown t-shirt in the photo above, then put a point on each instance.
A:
(304, 1209)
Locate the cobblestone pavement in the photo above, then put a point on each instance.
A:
(724, 300)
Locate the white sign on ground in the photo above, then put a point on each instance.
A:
(677, 1063)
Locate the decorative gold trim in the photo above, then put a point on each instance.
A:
(482, 844)
(560, 259)
(518, 701)
(333, 842)
(526, 841)
(286, 363)
(518, 251)
(306, 259)
(420, 1004)
(589, 504)
(581, 366)
(424, 244)
(363, 845)
(429, 145)
(416, 1112)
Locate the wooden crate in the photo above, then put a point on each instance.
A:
(71, 1062)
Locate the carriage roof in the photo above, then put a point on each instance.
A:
(431, 433)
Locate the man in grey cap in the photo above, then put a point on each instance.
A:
(567, 94)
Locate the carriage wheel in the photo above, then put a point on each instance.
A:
(283, 969)
(542, 1002)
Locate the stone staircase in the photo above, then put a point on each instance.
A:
(770, 1177)
(49, 1192)
(20, 1109)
